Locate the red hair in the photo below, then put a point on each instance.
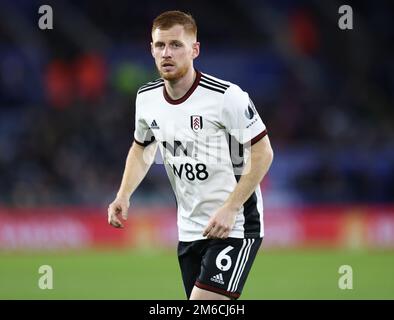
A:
(168, 19)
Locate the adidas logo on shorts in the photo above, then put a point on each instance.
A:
(218, 278)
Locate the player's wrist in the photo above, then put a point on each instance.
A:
(232, 206)
(123, 196)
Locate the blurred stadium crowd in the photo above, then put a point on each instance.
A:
(67, 96)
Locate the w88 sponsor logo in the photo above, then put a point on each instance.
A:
(186, 170)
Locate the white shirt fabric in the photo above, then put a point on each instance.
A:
(195, 134)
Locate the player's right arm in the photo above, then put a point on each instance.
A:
(138, 162)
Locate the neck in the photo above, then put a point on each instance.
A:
(178, 88)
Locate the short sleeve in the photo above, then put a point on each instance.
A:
(240, 117)
(143, 135)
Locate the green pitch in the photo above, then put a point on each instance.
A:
(155, 275)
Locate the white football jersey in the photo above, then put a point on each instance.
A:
(202, 137)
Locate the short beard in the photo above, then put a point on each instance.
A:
(173, 77)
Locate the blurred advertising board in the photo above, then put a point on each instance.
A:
(79, 227)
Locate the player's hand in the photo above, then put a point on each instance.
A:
(118, 208)
(221, 223)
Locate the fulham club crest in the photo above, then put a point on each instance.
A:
(196, 123)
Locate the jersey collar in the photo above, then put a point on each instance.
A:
(187, 94)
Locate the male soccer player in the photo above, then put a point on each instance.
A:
(195, 119)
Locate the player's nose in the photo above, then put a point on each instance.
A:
(166, 53)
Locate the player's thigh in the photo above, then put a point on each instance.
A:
(226, 265)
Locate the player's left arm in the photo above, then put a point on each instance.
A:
(258, 163)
